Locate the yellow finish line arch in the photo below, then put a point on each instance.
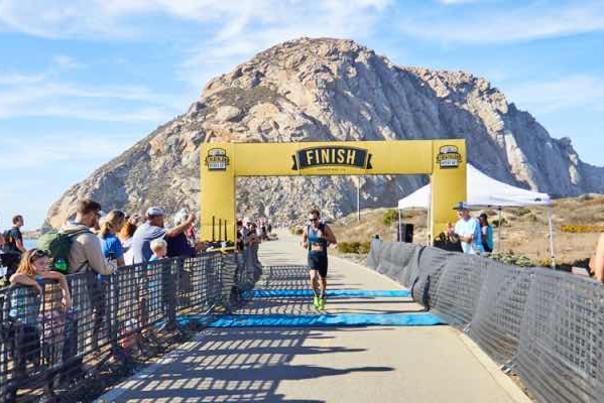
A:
(221, 163)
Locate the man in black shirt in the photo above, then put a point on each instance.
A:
(13, 245)
(13, 239)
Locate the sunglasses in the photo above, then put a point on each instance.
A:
(39, 253)
(313, 219)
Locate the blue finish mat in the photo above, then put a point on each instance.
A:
(327, 320)
(330, 293)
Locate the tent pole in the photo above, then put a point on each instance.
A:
(499, 232)
(428, 227)
(358, 199)
(398, 227)
(552, 252)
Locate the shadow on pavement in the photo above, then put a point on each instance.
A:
(239, 364)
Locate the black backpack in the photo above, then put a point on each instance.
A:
(10, 243)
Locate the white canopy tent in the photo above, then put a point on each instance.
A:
(484, 191)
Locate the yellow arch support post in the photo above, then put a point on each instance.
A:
(222, 163)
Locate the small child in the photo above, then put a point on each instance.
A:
(52, 318)
(159, 247)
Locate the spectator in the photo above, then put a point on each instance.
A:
(13, 238)
(157, 277)
(239, 236)
(467, 230)
(179, 245)
(596, 263)
(486, 233)
(263, 232)
(112, 246)
(159, 247)
(13, 246)
(33, 268)
(190, 234)
(125, 235)
(152, 229)
(253, 238)
(86, 251)
(32, 271)
(53, 319)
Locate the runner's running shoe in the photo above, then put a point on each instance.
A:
(316, 301)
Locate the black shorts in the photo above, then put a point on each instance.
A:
(318, 262)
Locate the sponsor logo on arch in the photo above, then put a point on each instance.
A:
(448, 157)
(217, 160)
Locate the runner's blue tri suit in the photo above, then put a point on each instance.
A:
(317, 250)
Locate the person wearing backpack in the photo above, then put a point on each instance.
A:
(13, 238)
(86, 251)
(84, 257)
(13, 246)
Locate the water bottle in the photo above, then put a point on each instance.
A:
(61, 265)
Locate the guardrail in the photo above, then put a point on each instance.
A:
(545, 326)
(42, 347)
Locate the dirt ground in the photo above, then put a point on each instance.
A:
(525, 230)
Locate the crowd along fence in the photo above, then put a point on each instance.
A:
(545, 326)
(42, 345)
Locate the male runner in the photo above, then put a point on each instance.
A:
(316, 239)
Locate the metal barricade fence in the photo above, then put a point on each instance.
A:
(543, 325)
(42, 344)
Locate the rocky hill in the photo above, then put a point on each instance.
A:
(330, 89)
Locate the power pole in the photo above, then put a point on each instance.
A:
(358, 198)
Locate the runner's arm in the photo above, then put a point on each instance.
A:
(304, 239)
(331, 238)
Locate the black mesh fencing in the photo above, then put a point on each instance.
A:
(43, 344)
(545, 326)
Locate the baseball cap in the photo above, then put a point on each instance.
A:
(155, 211)
(461, 206)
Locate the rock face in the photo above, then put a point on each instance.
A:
(328, 89)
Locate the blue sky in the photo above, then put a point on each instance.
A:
(81, 81)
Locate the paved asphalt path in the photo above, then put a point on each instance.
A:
(367, 364)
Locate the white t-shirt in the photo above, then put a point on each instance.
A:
(470, 228)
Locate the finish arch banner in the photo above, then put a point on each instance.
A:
(443, 159)
(332, 156)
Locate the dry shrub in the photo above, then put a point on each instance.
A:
(582, 229)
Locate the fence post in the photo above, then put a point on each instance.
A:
(169, 273)
(114, 286)
(3, 345)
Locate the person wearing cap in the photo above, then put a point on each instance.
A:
(153, 228)
(467, 230)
